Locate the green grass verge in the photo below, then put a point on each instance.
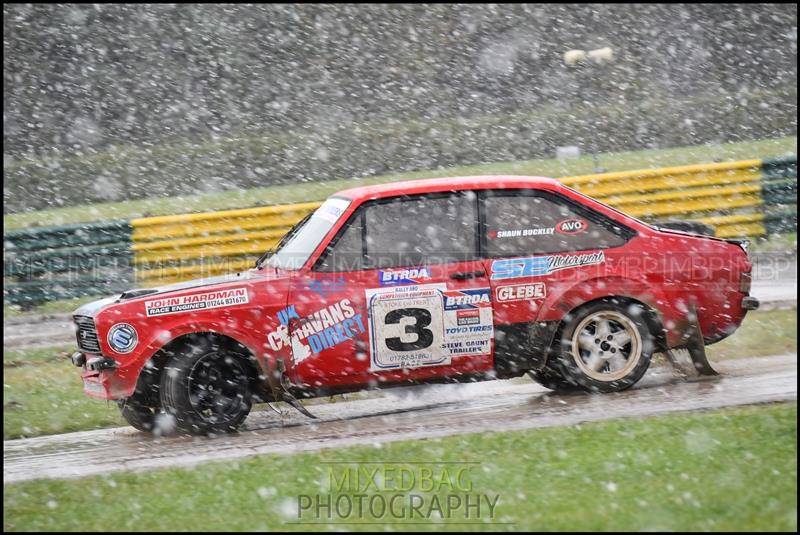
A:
(308, 191)
(762, 333)
(13, 358)
(775, 242)
(733, 469)
(43, 394)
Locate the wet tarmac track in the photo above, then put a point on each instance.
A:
(401, 414)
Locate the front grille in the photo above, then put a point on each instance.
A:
(87, 334)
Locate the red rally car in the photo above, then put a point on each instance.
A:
(456, 279)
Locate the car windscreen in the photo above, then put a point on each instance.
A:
(298, 248)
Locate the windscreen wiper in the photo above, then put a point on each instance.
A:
(282, 241)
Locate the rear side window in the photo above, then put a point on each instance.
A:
(529, 223)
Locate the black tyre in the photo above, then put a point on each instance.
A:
(553, 380)
(137, 415)
(205, 387)
(605, 347)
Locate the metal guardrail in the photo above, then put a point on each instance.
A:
(62, 262)
(743, 198)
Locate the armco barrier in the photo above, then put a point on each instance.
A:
(48, 263)
(744, 198)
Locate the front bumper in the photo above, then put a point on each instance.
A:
(101, 376)
(750, 303)
(94, 363)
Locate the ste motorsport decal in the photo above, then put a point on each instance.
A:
(192, 302)
(322, 329)
(537, 266)
(427, 325)
(403, 277)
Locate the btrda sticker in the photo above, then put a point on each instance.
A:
(403, 277)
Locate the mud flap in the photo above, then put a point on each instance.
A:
(291, 400)
(281, 391)
(692, 341)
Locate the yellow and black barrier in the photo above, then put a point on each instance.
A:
(728, 196)
(747, 198)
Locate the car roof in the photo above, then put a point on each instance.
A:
(432, 185)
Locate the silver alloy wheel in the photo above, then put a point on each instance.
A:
(607, 345)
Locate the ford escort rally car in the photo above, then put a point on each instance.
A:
(456, 279)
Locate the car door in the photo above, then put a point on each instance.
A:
(538, 245)
(406, 272)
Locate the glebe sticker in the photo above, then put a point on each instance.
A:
(521, 292)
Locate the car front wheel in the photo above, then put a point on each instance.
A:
(206, 389)
(138, 415)
(606, 347)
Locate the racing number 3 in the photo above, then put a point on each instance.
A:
(422, 318)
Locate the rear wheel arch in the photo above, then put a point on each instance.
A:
(650, 313)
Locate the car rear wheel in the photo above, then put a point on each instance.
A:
(206, 389)
(553, 380)
(606, 347)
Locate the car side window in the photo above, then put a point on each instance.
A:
(524, 224)
(422, 230)
(347, 252)
(411, 231)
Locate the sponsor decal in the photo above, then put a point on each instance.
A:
(427, 325)
(572, 226)
(404, 277)
(517, 233)
(467, 299)
(192, 302)
(122, 338)
(468, 317)
(326, 287)
(521, 292)
(332, 209)
(287, 314)
(537, 266)
(321, 330)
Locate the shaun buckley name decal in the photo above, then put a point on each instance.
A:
(202, 301)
